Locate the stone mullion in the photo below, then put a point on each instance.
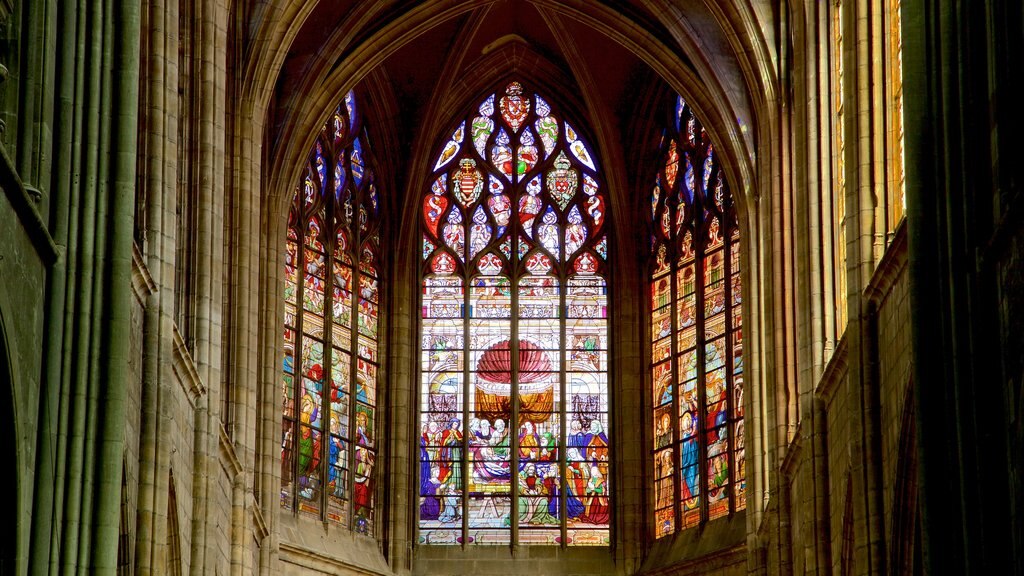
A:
(327, 229)
(563, 314)
(677, 447)
(730, 377)
(355, 252)
(297, 384)
(819, 30)
(513, 426)
(466, 383)
(699, 336)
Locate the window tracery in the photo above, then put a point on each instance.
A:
(514, 444)
(838, 192)
(332, 286)
(896, 200)
(696, 333)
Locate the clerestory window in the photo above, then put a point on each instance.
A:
(514, 432)
(696, 333)
(329, 384)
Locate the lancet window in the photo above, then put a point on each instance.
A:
(329, 387)
(696, 333)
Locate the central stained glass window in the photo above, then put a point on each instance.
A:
(514, 441)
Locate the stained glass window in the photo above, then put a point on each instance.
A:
(696, 333)
(332, 285)
(838, 191)
(896, 200)
(514, 439)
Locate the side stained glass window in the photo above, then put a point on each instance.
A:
(332, 285)
(696, 333)
(896, 200)
(514, 438)
(838, 199)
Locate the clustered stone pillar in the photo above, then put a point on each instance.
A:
(79, 122)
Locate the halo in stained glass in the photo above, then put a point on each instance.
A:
(452, 147)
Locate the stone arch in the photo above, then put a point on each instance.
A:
(307, 104)
(287, 123)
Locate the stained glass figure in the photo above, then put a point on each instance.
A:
(514, 390)
(329, 382)
(695, 333)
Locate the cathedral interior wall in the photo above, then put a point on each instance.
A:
(201, 100)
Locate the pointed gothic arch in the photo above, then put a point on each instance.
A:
(696, 332)
(514, 332)
(331, 367)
